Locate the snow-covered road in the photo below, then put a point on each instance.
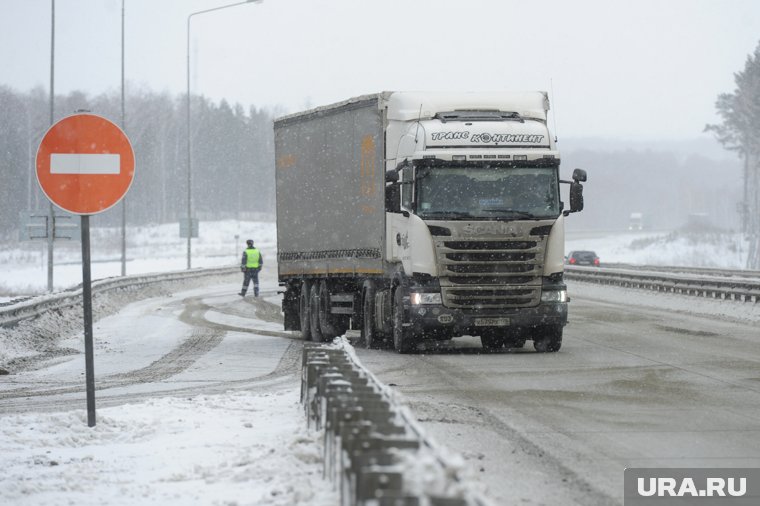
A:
(195, 406)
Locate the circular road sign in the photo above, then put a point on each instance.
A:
(85, 164)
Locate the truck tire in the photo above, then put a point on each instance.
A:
(547, 339)
(291, 318)
(402, 337)
(328, 323)
(316, 332)
(369, 334)
(384, 328)
(303, 311)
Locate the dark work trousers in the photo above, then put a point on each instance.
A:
(251, 274)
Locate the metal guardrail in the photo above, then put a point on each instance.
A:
(31, 307)
(715, 284)
(374, 451)
(701, 271)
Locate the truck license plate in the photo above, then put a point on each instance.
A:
(491, 322)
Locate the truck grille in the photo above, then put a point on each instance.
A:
(490, 273)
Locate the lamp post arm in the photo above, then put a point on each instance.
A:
(189, 136)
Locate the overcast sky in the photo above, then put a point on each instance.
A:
(644, 69)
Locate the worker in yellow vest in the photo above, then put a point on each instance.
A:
(251, 264)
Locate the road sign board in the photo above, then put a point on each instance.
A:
(33, 227)
(85, 164)
(183, 228)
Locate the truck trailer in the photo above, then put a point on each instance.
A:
(418, 216)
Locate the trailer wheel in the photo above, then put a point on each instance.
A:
(369, 335)
(303, 311)
(402, 337)
(547, 339)
(316, 332)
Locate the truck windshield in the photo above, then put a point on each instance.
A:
(487, 193)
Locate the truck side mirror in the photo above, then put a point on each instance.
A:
(576, 192)
(393, 197)
(576, 195)
(579, 176)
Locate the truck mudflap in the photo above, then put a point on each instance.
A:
(437, 321)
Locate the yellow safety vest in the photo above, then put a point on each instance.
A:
(252, 258)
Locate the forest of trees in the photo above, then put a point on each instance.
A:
(233, 166)
(232, 163)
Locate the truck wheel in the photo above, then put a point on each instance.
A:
(369, 334)
(316, 333)
(291, 319)
(402, 338)
(547, 339)
(303, 311)
(326, 320)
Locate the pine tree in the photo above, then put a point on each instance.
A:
(740, 112)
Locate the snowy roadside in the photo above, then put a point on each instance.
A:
(746, 312)
(242, 448)
(206, 432)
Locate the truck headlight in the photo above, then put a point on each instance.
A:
(418, 298)
(554, 296)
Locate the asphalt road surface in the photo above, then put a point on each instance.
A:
(631, 387)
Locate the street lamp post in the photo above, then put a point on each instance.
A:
(51, 209)
(124, 128)
(189, 136)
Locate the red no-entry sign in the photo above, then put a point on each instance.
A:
(85, 164)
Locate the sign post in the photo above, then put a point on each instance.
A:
(85, 165)
(89, 351)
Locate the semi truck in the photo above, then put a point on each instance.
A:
(416, 216)
(636, 221)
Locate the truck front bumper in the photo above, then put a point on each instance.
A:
(439, 321)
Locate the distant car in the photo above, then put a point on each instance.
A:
(582, 258)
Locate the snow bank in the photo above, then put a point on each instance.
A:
(235, 448)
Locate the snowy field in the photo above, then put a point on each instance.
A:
(158, 248)
(720, 250)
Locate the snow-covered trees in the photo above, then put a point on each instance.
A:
(740, 131)
(233, 155)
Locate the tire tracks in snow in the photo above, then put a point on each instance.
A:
(205, 336)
